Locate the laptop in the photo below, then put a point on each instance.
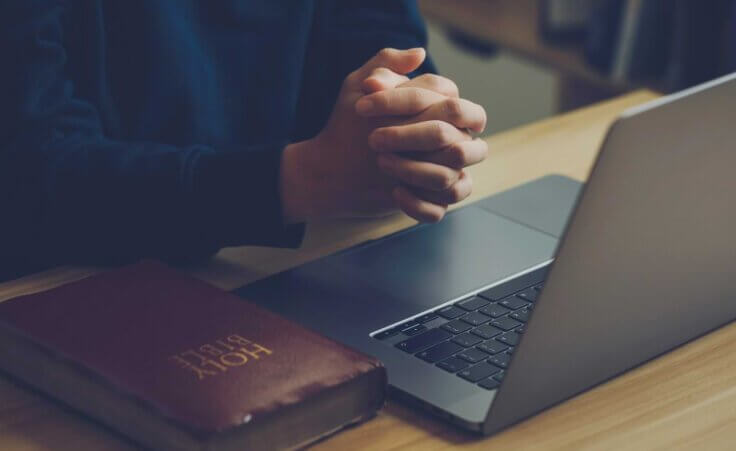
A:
(506, 307)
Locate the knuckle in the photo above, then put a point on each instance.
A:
(385, 52)
(380, 72)
(429, 79)
(414, 99)
(443, 132)
(457, 155)
(380, 101)
(434, 80)
(456, 193)
(442, 84)
(453, 109)
(444, 180)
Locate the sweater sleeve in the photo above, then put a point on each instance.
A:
(70, 194)
(346, 34)
(360, 29)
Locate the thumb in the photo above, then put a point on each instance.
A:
(399, 61)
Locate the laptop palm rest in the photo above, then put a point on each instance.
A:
(434, 264)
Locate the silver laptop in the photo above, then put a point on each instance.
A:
(504, 309)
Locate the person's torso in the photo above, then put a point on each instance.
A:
(224, 73)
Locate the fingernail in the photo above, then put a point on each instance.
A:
(416, 50)
(364, 106)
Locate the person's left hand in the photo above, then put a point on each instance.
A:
(427, 132)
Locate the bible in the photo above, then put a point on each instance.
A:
(175, 363)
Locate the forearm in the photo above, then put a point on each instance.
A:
(94, 200)
(306, 182)
(292, 184)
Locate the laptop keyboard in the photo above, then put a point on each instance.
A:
(474, 338)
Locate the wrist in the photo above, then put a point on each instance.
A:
(295, 183)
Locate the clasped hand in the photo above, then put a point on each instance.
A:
(390, 143)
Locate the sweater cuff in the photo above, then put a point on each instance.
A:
(237, 198)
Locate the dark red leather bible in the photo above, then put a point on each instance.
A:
(176, 363)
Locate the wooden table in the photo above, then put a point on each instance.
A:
(686, 398)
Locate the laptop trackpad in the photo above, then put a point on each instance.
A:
(469, 249)
(544, 204)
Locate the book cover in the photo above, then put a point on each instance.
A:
(176, 363)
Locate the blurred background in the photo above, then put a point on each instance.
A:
(527, 59)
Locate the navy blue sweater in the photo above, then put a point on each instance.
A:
(154, 128)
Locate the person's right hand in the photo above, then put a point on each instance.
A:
(430, 103)
(336, 174)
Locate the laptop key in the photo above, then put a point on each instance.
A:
(521, 315)
(439, 352)
(472, 355)
(509, 338)
(492, 347)
(515, 285)
(456, 327)
(530, 294)
(426, 318)
(451, 312)
(505, 323)
(408, 325)
(500, 360)
(478, 372)
(494, 310)
(486, 331)
(453, 364)
(513, 303)
(475, 318)
(489, 384)
(498, 292)
(423, 341)
(418, 329)
(467, 340)
(386, 333)
(471, 304)
(499, 376)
